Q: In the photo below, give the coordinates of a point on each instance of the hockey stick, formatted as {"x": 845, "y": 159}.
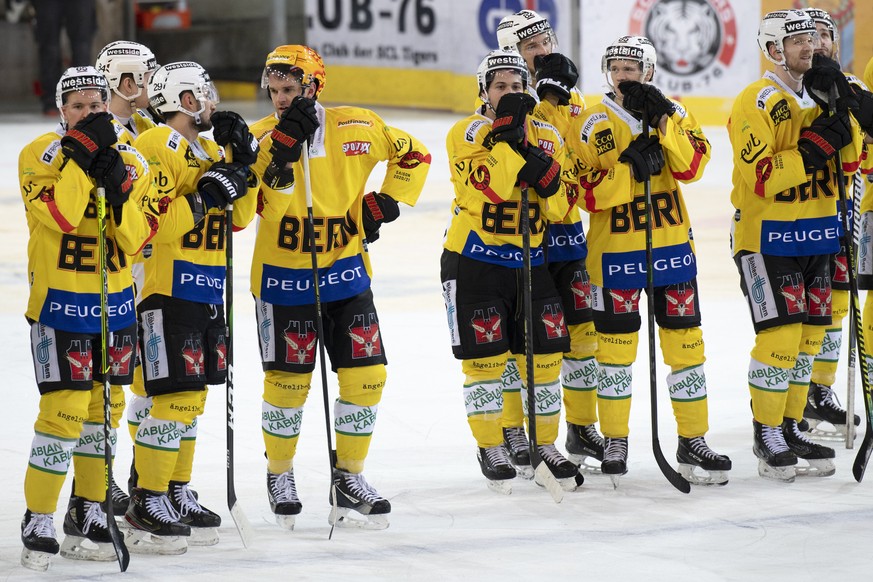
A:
{"x": 675, "y": 479}
{"x": 243, "y": 527}
{"x": 857, "y": 192}
{"x": 541, "y": 470}
{"x": 863, "y": 456}
{"x": 121, "y": 552}
{"x": 319, "y": 328}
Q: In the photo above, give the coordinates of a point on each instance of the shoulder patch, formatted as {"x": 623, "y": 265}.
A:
{"x": 585, "y": 133}
{"x": 173, "y": 141}
{"x": 351, "y": 122}
{"x": 51, "y": 152}
{"x": 473, "y": 129}
{"x": 780, "y": 112}
{"x": 763, "y": 95}
{"x": 133, "y": 151}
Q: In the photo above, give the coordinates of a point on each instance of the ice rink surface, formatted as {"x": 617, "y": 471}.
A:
{"x": 445, "y": 523}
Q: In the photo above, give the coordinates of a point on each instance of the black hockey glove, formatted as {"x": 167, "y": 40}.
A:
{"x": 278, "y": 178}
{"x": 646, "y": 100}
{"x": 864, "y": 110}
{"x": 822, "y": 77}
{"x": 511, "y": 112}
{"x": 556, "y": 74}
{"x": 377, "y": 209}
{"x": 540, "y": 171}
{"x": 108, "y": 170}
{"x": 88, "y": 137}
{"x": 645, "y": 156}
{"x": 228, "y": 128}
{"x": 223, "y": 183}
{"x": 820, "y": 141}
{"x": 297, "y": 124}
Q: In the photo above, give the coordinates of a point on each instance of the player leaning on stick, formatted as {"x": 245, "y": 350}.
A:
{"x": 344, "y": 144}
{"x": 553, "y": 79}
{"x": 784, "y": 231}
{"x": 58, "y": 173}
{"x": 635, "y": 135}
{"x": 181, "y": 315}
{"x": 490, "y": 153}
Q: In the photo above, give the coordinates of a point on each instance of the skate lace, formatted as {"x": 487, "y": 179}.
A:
{"x": 94, "y": 516}
{"x": 773, "y": 438}
{"x": 359, "y": 487}
{"x": 160, "y": 507}
{"x": 186, "y": 501}
{"x": 797, "y": 435}
{"x": 118, "y": 493}
{"x": 616, "y": 449}
{"x": 284, "y": 489}
{"x": 591, "y": 435}
{"x": 42, "y": 524}
{"x": 516, "y": 438}
{"x": 551, "y": 455}
{"x": 829, "y": 400}
{"x": 496, "y": 456}
{"x": 699, "y": 446}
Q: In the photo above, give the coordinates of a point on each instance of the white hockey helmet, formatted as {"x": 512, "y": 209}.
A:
{"x": 497, "y": 60}
{"x": 81, "y": 79}
{"x": 779, "y": 25}
{"x": 515, "y": 28}
{"x": 123, "y": 57}
{"x": 170, "y": 81}
{"x": 820, "y": 16}
{"x": 631, "y": 48}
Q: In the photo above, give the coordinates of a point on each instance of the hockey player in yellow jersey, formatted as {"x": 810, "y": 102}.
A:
{"x": 127, "y": 67}
{"x": 634, "y": 135}
{"x": 181, "y": 315}
{"x": 553, "y": 83}
{"x": 489, "y": 153}
{"x": 784, "y": 231}
{"x": 58, "y": 173}
{"x": 344, "y": 144}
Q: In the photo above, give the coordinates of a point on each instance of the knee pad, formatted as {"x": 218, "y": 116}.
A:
{"x": 812, "y": 338}
{"x": 286, "y": 389}
{"x": 839, "y": 306}
{"x": 485, "y": 369}
{"x": 62, "y": 412}
{"x": 182, "y": 407}
{"x": 116, "y": 404}
{"x": 362, "y": 386}
{"x": 778, "y": 346}
{"x": 583, "y": 340}
{"x": 547, "y": 368}
{"x": 682, "y": 348}
{"x": 619, "y": 349}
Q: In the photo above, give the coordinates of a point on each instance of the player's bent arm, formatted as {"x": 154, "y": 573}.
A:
{"x": 407, "y": 167}
{"x": 686, "y": 149}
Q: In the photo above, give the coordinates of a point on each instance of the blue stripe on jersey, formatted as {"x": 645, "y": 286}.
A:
{"x": 198, "y": 283}
{"x": 509, "y": 256}
{"x": 80, "y": 312}
{"x": 673, "y": 264}
{"x": 800, "y": 238}
{"x": 345, "y": 278}
{"x": 566, "y": 243}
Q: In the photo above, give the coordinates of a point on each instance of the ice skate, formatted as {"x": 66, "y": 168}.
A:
{"x": 284, "y": 503}
{"x": 498, "y": 470}
{"x": 39, "y": 538}
{"x": 353, "y": 493}
{"x": 699, "y": 464}
{"x": 86, "y": 533}
{"x": 564, "y": 471}
{"x": 155, "y": 526}
{"x": 203, "y": 522}
{"x": 120, "y": 502}
{"x": 614, "y": 459}
{"x": 824, "y": 415}
{"x": 819, "y": 459}
{"x": 775, "y": 460}
{"x": 518, "y": 447}
{"x": 584, "y": 446}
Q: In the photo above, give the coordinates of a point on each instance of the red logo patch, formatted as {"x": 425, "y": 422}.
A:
{"x": 553, "y": 318}
{"x": 480, "y": 178}
{"x": 300, "y": 340}
{"x": 356, "y": 148}
{"x": 486, "y": 327}
{"x": 680, "y": 301}
{"x": 581, "y": 288}
{"x": 79, "y": 357}
{"x": 413, "y": 159}
{"x": 625, "y": 300}
{"x": 192, "y": 353}
{"x": 120, "y": 355}
{"x": 547, "y": 146}
{"x": 794, "y": 293}
{"x": 820, "y": 297}
{"x": 366, "y": 340}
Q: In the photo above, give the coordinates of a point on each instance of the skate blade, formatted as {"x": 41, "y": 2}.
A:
{"x": 816, "y": 468}
{"x": 615, "y": 478}
{"x": 502, "y": 486}
{"x": 585, "y": 463}
{"x": 342, "y": 517}
{"x": 33, "y": 560}
{"x": 825, "y": 431}
{"x": 203, "y": 536}
{"x": 524, "y": 471}
{"x": 143, "y": 542}
{"x": 285, "y": 521}
{"x": 698, "y": 476}
{"x": 81, "y": 548}
{"x": 783, "y": 474}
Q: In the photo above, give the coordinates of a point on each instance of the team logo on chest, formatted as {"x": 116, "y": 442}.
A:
{"x": 680, "y": 300}
{"x": 625, "y": 300}
{"x": 356, "y": 148}
{"x": 300, "y": 339}
{"x": 553, "y": 318}
{"x": 192, "y": 353}
{"x": 820, "y": 297}
{"x": 486, "y": 326}
{"x": 120, "y": 354}
{"x": 366, "y": 340}
{"x": 791, "y": 288}
{"x": 79, "y": 357}
{"x": 581, "y": 288}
